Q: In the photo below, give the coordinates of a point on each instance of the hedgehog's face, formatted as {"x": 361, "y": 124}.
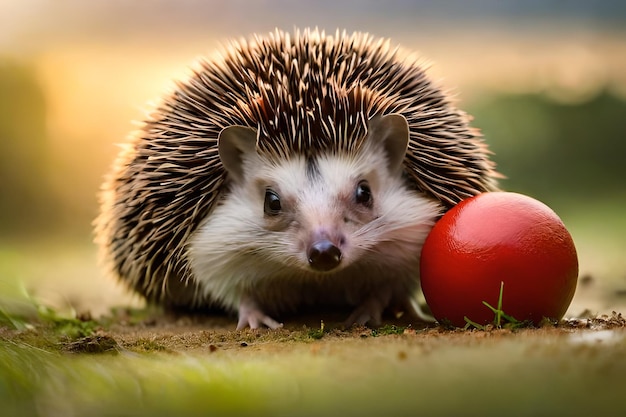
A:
{"x": 327, "y": 212}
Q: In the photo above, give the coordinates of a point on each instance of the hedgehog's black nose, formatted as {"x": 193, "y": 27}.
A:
{"x": 324, "y": 256}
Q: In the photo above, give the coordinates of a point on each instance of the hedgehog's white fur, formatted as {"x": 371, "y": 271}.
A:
{"x": 243, "y": 261}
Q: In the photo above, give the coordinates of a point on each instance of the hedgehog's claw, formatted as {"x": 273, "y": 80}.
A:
{"x": 251, "y": 315}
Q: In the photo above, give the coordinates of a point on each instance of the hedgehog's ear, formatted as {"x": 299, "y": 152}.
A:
{"x": 392, "y": 132}
{"x": 236, "y": 144}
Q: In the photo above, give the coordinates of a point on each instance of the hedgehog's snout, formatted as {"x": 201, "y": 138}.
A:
{"x": 324, "y": 255}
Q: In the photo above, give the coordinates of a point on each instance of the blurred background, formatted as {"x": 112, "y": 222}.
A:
{"x": 544, "y": 80}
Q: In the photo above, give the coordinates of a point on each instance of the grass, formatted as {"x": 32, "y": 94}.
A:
{"x": 501, "y": 319}
{"x": 317, "y": 334}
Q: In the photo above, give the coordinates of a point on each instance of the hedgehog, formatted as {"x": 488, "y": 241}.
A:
{"x": 295, "y": 170}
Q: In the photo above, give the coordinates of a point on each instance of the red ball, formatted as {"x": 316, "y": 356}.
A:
{"x": 492, "y": 238}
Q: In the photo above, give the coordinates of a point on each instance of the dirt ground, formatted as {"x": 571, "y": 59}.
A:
{"x": 125, "y": 319}
{"x": 152, "y": 330}
{"x": 164, "y": 365}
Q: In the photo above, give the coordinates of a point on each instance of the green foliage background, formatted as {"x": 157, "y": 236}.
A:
{"x": 557, "y": 151}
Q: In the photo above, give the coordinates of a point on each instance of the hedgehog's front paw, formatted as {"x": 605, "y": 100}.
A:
{"x": 370, "y": 311}
{"x": 251, "y": 315}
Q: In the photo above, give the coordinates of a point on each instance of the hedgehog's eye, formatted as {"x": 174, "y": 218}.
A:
{"x": 272, "y": 203}
{"x": 363, "y": 194}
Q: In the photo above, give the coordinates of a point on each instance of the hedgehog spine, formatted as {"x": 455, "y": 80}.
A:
{"x": 305, "y": 96}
